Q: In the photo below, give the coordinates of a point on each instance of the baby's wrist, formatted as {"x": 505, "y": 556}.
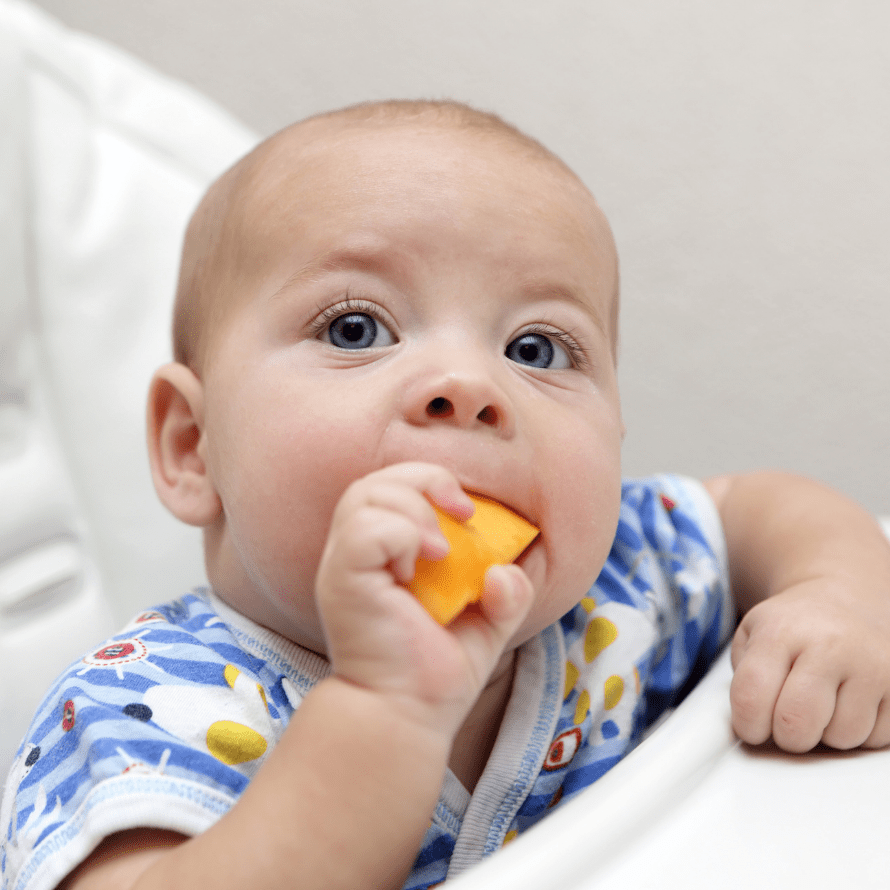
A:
{"x": 411, "y": 723}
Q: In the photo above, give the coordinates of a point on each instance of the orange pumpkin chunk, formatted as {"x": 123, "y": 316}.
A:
{"x": 493, "y": 535}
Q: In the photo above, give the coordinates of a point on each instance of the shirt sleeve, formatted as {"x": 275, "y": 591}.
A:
{"x": 670, "y": 543}
{"x": 161, "y": 726}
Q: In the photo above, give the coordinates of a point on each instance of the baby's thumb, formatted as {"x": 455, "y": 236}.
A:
{"x": 507, "y": 598}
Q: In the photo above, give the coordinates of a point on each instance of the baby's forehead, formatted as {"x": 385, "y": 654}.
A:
{"x": 290, "y": 162}
{"x": 333, "y": 166}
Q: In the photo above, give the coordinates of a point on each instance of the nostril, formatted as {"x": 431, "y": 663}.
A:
{"x": 488, "y": 416}
{"x": 440, "y": 407}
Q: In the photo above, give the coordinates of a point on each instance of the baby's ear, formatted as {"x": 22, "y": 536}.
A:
{"x": 177, "y": 446}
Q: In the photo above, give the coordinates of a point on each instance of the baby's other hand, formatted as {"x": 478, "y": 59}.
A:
{"x": 378, "y": 635}
{"x": 812, "y": 664}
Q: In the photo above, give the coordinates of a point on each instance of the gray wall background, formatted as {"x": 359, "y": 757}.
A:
{"x": 740, "y": 150}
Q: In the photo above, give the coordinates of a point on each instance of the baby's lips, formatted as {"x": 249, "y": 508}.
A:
{"x": 493, "y": 535}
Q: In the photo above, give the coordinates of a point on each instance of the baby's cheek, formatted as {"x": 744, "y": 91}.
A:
{"x": 288, "y": 556}
{"x": 582, "y": 551}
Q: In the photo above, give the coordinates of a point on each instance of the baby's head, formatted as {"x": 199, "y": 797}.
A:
{"x": 401, "y": 281}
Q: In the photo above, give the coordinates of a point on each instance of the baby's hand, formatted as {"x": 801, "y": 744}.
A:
{"x": 812, "y": 664}
{"x": 379, "y": 636}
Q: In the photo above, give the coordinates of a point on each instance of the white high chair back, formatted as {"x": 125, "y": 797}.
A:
{"x": 101, "y": 163}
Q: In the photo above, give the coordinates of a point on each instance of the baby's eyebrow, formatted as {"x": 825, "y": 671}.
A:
{"x": 364, "y": 258}
{"x": 546, "y": 290}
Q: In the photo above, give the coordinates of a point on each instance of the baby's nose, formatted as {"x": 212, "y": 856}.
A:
{"x": 468, "y": 401}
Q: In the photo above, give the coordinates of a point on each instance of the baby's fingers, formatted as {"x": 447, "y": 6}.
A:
{"x": 856, "y": 715}
{"x": 805, "y": 706}
{"x": 880, "y": 734}
{"x": 386, "y": 519}
{"x": 800, "y": 700}
{"x": 780, "y": 692}
{"x": 756, "y": 686}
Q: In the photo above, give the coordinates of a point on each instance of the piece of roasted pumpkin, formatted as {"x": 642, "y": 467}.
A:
{"x": 493, "y": 535}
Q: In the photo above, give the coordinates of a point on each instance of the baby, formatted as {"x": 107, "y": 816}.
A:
{"x": 381, "y": 310}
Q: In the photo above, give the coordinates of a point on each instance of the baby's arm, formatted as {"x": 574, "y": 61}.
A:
{"x": 342, "y": 801}
{"x": 346, "y": 796}
{"x": 811, "y": 573}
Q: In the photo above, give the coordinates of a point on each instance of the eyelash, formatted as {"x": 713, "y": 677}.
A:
{"x": 329, "y": 314}
{"x": 348, "y": 306}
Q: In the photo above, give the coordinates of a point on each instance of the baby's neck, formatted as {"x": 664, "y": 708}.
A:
{"x": 475, "y": 739}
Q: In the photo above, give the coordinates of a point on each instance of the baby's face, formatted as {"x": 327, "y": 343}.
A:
{"x": 421, "y": 295}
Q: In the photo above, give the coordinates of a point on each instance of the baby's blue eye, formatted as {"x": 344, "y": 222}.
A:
{"x": 357, "y": 330}
{"x": 538, "y": 351}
